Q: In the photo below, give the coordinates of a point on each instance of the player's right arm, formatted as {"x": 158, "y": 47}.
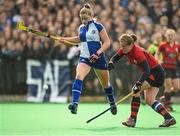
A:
{"x": 74, "y": 39}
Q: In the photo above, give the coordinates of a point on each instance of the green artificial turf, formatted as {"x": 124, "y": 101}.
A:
{"x": 55, "y": 119}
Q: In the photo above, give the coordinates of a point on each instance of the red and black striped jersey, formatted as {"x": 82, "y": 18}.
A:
{"x": 137, "y": 55}
{"x": 170, "y": 55}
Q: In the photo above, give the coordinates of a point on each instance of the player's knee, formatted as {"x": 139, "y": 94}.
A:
{"x": 149, "y": 101}
{"x": 105, "y": 84}
{"x": 79, "y": 76}
{"x": 168, "y": 88}
{"x": 168, "y": 85}
{"x": 176, "y": 87}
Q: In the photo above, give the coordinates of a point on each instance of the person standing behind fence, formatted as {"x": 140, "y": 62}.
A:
{"x": 94, "y": 41}
{"x": 156, "y": 41}
{"x": 170, "y": 52}
{"x": 151, "y": 79}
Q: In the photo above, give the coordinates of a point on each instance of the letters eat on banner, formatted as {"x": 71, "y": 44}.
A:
{"x": 54, "y": 75}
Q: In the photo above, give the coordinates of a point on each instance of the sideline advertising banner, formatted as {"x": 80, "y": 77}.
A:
{"x": 48, "y": 81}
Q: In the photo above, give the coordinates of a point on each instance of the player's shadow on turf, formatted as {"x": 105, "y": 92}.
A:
{"x": 118, "y": 128}
{"x": 154, "y": 128}
{"x": 97, "y": 129}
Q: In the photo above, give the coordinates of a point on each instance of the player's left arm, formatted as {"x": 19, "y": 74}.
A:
{"x": 105, "y": 41}
{"x": 145, "y": 66}
{"x": 143, "y": 63}
{"x": 105, "y": 45}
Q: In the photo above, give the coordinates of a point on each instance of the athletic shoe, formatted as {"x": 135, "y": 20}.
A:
{"x": 113, "y": 108}
{"x": 73, "y": 108}
{"x": 130, "y": 122}
{"x": 168, "y": 122}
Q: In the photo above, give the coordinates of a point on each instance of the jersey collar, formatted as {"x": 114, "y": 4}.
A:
{"x": 90, "y": 21}
{"x": 132, "y": 49}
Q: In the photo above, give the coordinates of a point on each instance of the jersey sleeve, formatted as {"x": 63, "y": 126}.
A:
{"x": 117, "y": 56}
{"x": 99, "y": 26}
{"x": 120, "y": 52}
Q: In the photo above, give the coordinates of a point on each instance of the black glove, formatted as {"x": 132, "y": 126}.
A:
{"x": 93, "y": 58}
{"x": 111, "y": 66}
{"x": 137, "y": 87}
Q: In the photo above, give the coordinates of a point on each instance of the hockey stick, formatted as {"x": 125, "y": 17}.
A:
{"x": 21, "y": 26}
{"x": 121, "y": 100}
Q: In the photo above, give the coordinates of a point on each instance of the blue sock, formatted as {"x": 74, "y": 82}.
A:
{"x": 110, "y": 94}
{"x": 76, "y": 90}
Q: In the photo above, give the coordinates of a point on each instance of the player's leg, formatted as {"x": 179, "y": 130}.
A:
{"x": 81, "y": 71}
{"x": 174, "y": 90}
{"x": 103, "y": 76}
{"x": 150, "y": 96}
{"x": 170, "y": 84}
{"x": 135, "y": 105}
{"x": 176, "y": 85}
{"x": 167, "y": 93}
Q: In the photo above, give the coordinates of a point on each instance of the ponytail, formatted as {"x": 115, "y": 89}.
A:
{"x": 87, "y": 6}
{"x": 134, "y": 37}
{"x": 128, "y": 39}
{"x": 87, "y": 9}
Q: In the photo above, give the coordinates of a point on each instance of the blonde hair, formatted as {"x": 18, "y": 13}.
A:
{"x": 128, "y": 39}
{"x": 171, "y": 31}
{"x": 87, "y": 10}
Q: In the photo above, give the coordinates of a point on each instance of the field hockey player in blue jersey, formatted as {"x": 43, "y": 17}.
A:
{"x": 93, "y": 41}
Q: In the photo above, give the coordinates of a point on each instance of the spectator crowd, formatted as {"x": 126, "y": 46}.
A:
{"x": 145, "y": 18}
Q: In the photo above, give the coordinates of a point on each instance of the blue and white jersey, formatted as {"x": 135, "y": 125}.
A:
{"x": 90, "y": 44}
{"x": 90, "y": 38}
